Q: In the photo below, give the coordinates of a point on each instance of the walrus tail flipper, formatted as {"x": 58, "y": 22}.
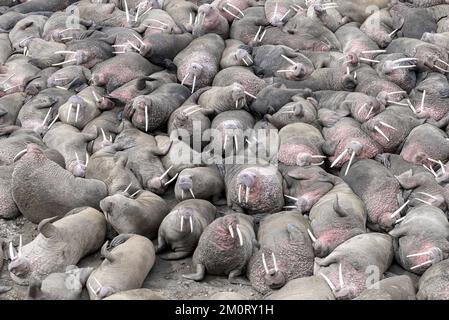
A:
{"x": 174, "y": 255}
{"x": 199, "y": 275}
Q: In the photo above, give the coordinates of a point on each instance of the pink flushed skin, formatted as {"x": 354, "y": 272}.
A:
{"x": 298, "y": 143}
{"x": 399, "y": 117}
{"x": 336, "y": 217}
{"x": 283, "y": 239}
{"x": 278, "y": 12}
{"x": 22, "y": 71}
{"x": 210, "y": 21}
{"x": 344, "y": 134}
{"x": 378, "y": 189}
{"x": 356, "y": 256}
{"x": 424, "y": 142}
{"x": 371, "y": 84}
{"x": 404, "y": 78}
{"x": 434, "y": 283}
{"x": 432, "y": 242}
{"x": 241, "y": 4}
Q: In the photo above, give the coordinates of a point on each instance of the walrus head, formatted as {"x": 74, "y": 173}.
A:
{"x": 19, "y": 267}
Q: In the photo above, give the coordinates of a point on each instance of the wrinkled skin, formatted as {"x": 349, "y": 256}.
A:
{"x": 431, "y": 244}
{"x": 210, "y": 21}
{"x": 141, "y": 215}
{"x": 380, "y": 27}
{"x": 182, "y": 11}
{"x": 125, "y": 266}
{"x": 107, "y": 125}
{"x": 336, "y": 217}
{"x": 354, "y": 258}
{"x": 17, "y": 73}
{"x": 236, "y": 53}
{"x": 136, "y": 294}
{"x": 203, "y": 182}
{"x": 300, "y": 110}
{"x": 182, "y": 228}
{"x": 394, "y": 288}
{"x": 10, "y": 106}
{"x": 42, "y": 189}
{"x": 220, "y": 252}
{"x": 433, "y": 283}
{"x": 361, "y": 10}
{"x": 246, "y": 28}
{"x": 306, "y": 288}
{"x": 398, "y": 69}
{"x": 75, "y": 77}
{"x": 16, "y": 142}
{"x": 58, "y": 245}
{"x": 220, "y": 99}
{"x": 378, "y": 189}
{"x": 286, "y": 249}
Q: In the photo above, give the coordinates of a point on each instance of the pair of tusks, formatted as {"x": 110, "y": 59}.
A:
{"x": 265, "y": 266}
{"x": 427, "y": 195}
{"x": 95, "y": 292}
{"x": 383, "y": 133}
{"x": 165, "y": 174}
{"x": 247, "y": 192}
{"x": 341, "y": 157}
{"x": 78, "y": 159}
{"x": 369, "y": 112}
{"x": 69, "y": 112}
{"x": 430, "y": 169}
{"x": 439, "y": 162}
{"x": 421, "y": 254}
{"x": 239, "y": 233}
{"x": 104, "y": 136}
{"x": 234, "y": 7}
{"x": 19, "y": 251}
{"x": 194, "y": 81}
{"x": 398, "y": 211}
{"x": 138, "y": 10}
{"x": 191, "y": 223}
{"x": 191, "y": 192}
{"x": 250, "y": 61}
{"x": 340, "y": 279}
{"x": 225, "y": 143}
{"x": 261, "y": 36}
{"x": 329, "y": 5}
{"x": 191, "y": 110}
{"x": 439, "y": 68}
{"x": 293, "y": 63}
{"x": 199, "y": 19}
{"x": 348, "y": 72}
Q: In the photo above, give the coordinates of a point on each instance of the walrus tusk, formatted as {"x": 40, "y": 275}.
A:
{"x": 240, "y": 193}
{"x": 381, "y": 132}
{"x": 340, "y": 277}
{"x": 53, "y": 122}
{"x": 350, "y": 162}
{"x": 236, "y": 144}
{"x": 77, "y": 113}
{"x": 126, "y": 11}
{"x": 285, "y": 15}
{"x": 69, "y": 112}
{"x": 239, "y": 234}
{"x": 419, "y": 254}
{"x": 19, "y": 155}
{"x": 104, "y": 134}
{"x": 423, "y": 201}
{"x": 387, "y": 125}
{"x": 274, "y": 262}
{"x": 374, "y": 51}
{"x": 138, "y": 39}
{"x": 87, "y": 159}
{"x": 194, "y": 82}
{"x": 182, "y": 223}
{"x": 422, "y": 100}
{"x": 64, "y": 52}
{"x": 135, "y": 194}
{"x": 95, "y": 96}
{"x": 191, "y": 224}
{"x": 165, "y": 173}
{"x": 147, "y": 11}
{"x": 337, "y": 160}
{"x": 146, "y": 118}
{"x": 11, "y": 252}
{"x": 421, "y": 264}
{"x": 134, "y": 46}
{"x": 290, "y": 197}
{"x": 312, "y": 237}
{"x": 172, "y": 179}
{"x": 182, "y": 194}
{"x": 185, "y": 78}
{"x": 191, "y": 192}
{"x": 328, "y": 281}
{"x": 429, "y": 195}
{"x": 369, "y": 112}
{"x": 231, "y": 231}
{"x": 77, "y": 158}
{"x": 236, "y": 8}
{"x": 235, "y": 16}
{"x": 263, "y": 35}
{"x": 369, "y": 60}
{"x": 394, "y": 214}
{"x": 46, "y": 117}
{"x": 257, "y": 34}
{"x": 265, "y": 263}
{"x": 247, "y": 194}
{"x": 250, "y": 95}
{"x": 127, "y": 188}
{"x": 64, "y": 62}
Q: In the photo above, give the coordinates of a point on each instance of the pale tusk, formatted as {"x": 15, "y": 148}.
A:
{"x": 340, "y": 276}
{"x": 350, "y": 162}
{"x": 165, "y": 173}
{"x": 46, "y": 117}
{"x": 274, "y": 262}
{"x": 191, "y": 224}
{"x": 328, "y": 281}
{"x": 421, "y": 264}
{"x": 312, "y": 237}
{"x": 290, "y": 197}
{"x": 172, "y": 179}
{"x": 239, "y": 234}
{"x": 381, "y": 132}
{"x": 339, "y": 158}
{"x": 191, "y": 192}
{"x": 265, "y": 263}
{"x": 231, "y": 232}
{"x": 398, "y": 211}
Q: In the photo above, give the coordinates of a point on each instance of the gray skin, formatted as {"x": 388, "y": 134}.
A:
{"x": 356, "y": 104}
{"x": 183, "y": 12}
{"x": 434, "y": 283}
{"x": 29, "y": 26}
{"x": 246, "y": 28}
{"x": 355, "y": 258}
{"x": 8, "y": 208}
{"x": 9, "y": 19}
{"x": 179, "y": 157}
{"x": 300, "y": 144}
{"x": 151, "y": 112}
{"x": 378, "y": 189}
{"x": 42, "y": 52}
{"x": 59, "y": 244}
{"x": 400, "y": 118}
{"x": 182, "y": 228}
{"x": 204, "y": 182}
{"x": 140, "y": 215}
{"x": 33, "y": 114}
{"x": 222, "y": 252}
{"x": 116, "y": 71}
{"x": 286, "y": 250}
{"x": 141, "y": 86}
{"x": 195, "y": 62}
{"x": 17, "y": 73}
{"x": 268, "y": 60}
{"x": 125, "y": 266}
{"x": 346, "y": 136}
{"x": 398, "y": 69}
{"x": 397, "y": 165}
{"x": 40, "y": 83}
{"x": 107, "y": 122}
{"x": 42, "y": 5}
{"x": 308, "y": 184}
{"x": 143, "y": 154}
{"x": 424, "y": 142}
{"x": 10, "y": 106}
{"x": 277, "y": 12}
{"x": 228, "y": 296}
{"x": 16, "y": 142}
{"x": 335, "y": 218}
{"x": 105, "y": 166}
{"x": 427, "y": 54}
{"x": 66, "y": 285}
{"x": 136, "y": 294}
{"x": 42, "y": 189}
{"x": 394, "y": 288}
{"x": 236, "y": 53}
{"x": 379, "y": 27}
{"x": 328, "y": 16}
{"x": 306, "y": 288}
{"x": 72, "y": 144}
{"x": 55, "y": 28}
{"x": 439, "y": 39}
{"x": 210, "y": 20}
{"x": 220, "y": 99}
{"x": 5, "y": 48}
{"x": 168, "y": 24}
{"x": 71, "y": 77}
{"x": 361, "y": 10}
{"x": 273, "y": 97}
{"x": 84, "y": 107}
{"x": 430, "y": 243}
{"x": 435, "y": 107}
{"x": 300, "y": 110}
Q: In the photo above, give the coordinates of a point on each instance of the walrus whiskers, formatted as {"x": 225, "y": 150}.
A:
{"x": 312, "y": 237}
{"x": 398, "y": 211}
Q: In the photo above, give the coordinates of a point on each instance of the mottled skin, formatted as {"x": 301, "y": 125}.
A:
{"x": 379, "y": 27}
{"x": 424, "y": 142}
{"x": 55, "y": 29}
{"x": 433, "y": 284}
{"x": 200, "y": 60}
{"x": 177, "y": 234}
{"x": 277, "y": 12}
{"x": 356, "y": 257}
{"x": 411, "y": 238}
{"x": 125, "y": 267}
{"x": 371, "y": 84}
{"x": 182, "y": 11}
{"x": 360, "y": 10}
{"x": 282, "y": 238}
{"x": 29, "y": 26}
{"x": 205, "y": 182}
{"x": 268, "y": 61}
{"x": 220, "y": 252}
{"x": 300, "y": 110}
{"x": 246, "y": 28}
{"x": 356, "y": 104}
{"x": 400, "y": 73}
{"x": 236, "y": 53}
{"x": 306, "y": 288}
{"x": 71, "y": 77}
{"x": 141, "y": 215}
{"x": 136, "y": 294}
{"x": 394, "y": 288}
{"x": 220, "y": 99}
{"x": 8, "y": 208}
{"x": 401, "y": 118}
{"x": 108, "y": 122}
{"x": 16, "y": 74}
{"x": 10, "y": 106}
{"x": 115, "y": 72}
{"x": 336, "y": 217}
{"x": 5, "y": 48}
{"x": 347, "y": 134}
{"x": 42, "y": 52}
{"x": 15, "y": 143}
{"x": 378, "y": 189}
{"x": 156, "y": 108}
{"x": 59, "y": 244}
{"x": 105, "y": 166}
{"x": 40, "y": 82}
{"x": 66, "y": 285}
{"x": 210, "y": 21}
{"x": 42, "y": 189}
